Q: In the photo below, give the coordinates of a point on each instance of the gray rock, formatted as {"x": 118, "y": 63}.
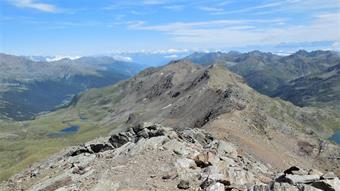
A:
{"x": 283, "y": 187}
{"x": 34, "y": 173}
{"x": 78, "y": 150}
{"x": 81, "y": 161}
{"x": 124, "y": 149}
{"x": 205, "y": 159}
{"x": 196, "y": 136}
{"x": 307, "y": 187}
{"x": 328, "y": 175}
{"x": 185, "y": 163}
{"x": 181, "y": 148}
{"x": 322, "y": 185}
{"x": 215, "y": 174}
{"x": 216, "y": 187}
{"x": 143, "y": 133}
{"x": 78, "y": 170}
{"x": 328, "y": 184}
{"x": 227, "y": 149}
{"x": 101, "y": 147}
{"x": 170, "y": 175}
{"x": 259, "y": 188}
{"x": 315, "y": 172}
{"x": 239, "y": 176}
{"x": 153, "y": 143}
{"x": 301, "y": 179}
{"x": 120, "y": 139}
{"x": 183, "y": 184}
{"x": 206, "y": 183}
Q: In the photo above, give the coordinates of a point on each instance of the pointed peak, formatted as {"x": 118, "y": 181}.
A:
{"x": 301, "y": 52}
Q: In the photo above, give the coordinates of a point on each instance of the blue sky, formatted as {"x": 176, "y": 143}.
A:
{"x": 89, "y": 27}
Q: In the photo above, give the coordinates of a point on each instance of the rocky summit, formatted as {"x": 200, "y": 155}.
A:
{"x": 149, "y": 156}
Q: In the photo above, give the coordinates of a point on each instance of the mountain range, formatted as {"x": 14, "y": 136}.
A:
{"x": 318, "y": 89}
{"x": 147, "y": 58}
{"x": 30, "y": 87}
{"x": 180, "y": 95}
{"x": 217, "y": 92}
{"x": 270, "y": 74}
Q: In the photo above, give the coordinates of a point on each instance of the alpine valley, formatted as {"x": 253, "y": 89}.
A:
{"x": 210, "y": 121}
{"x": 31, "y": 87}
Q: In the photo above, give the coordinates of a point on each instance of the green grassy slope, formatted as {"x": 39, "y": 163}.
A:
{"x": 23, "y": 143}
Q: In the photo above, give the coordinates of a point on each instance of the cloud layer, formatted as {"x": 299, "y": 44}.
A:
{"x": 324, "y": 27}
{"x": 90, "y": 27}
{"x": 35, "y": 5}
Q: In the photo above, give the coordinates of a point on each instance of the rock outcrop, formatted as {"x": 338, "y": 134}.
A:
{"x": 153, "y": 157}
{"x": 298, "y": 179}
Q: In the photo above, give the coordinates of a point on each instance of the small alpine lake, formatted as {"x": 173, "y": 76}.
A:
{"x": 73, "y": 129}
{"x": 335, "y": 137}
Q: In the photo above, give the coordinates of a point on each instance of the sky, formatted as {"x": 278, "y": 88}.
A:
{"x": 90, "y": 27}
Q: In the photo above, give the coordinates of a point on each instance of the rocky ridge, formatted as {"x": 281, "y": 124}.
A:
{"x": 150, "y": 156}
{"x": 182, "y": 94}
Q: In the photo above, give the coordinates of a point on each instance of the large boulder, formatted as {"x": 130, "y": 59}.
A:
{"x": 301, "y": 179}
{"x": 295, "y": 178}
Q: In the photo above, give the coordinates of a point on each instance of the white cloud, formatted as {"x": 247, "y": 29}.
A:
{"x": 223, "y": 3}
{"x": 289, "y": 5}
{"x": 122, "y": 58}
{"x": 336, "y": 46}
{"x": 174, "y": 7}
{"x": 60, "y": 57}
{"x": 173, "y": 56}
{"x": 35, "y": 5}
{"x": 211, "y": 9}
{"x": 212, "y": 24}
{"x": 217, "y": 33}
{"x": 153, "y": 2}
{"x": 169, "y": 51}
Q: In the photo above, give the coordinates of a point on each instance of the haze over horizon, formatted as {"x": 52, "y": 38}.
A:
{"x": 45, "y": 27}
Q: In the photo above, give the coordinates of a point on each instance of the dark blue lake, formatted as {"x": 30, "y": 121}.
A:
{"x": 66, "y": 131}
{"x": 71, "y": 129}
{"x": 335, "y": 137}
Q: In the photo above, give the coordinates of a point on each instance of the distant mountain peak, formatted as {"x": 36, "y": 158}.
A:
{"x": 301, "y": 52}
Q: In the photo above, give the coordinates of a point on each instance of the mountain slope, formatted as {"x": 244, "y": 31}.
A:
{"x": 28, "y": 87}
{"x": 321, "y": 89}
{"x": 227, "y": 59}
{"x": 181, "y": 85}
{"x": 185, "y": 95}
{"x": 266, "y": 72}
{"x": 181, "y": 95}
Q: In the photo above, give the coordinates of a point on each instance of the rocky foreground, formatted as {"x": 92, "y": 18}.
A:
{"x": 153, "y": 157}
